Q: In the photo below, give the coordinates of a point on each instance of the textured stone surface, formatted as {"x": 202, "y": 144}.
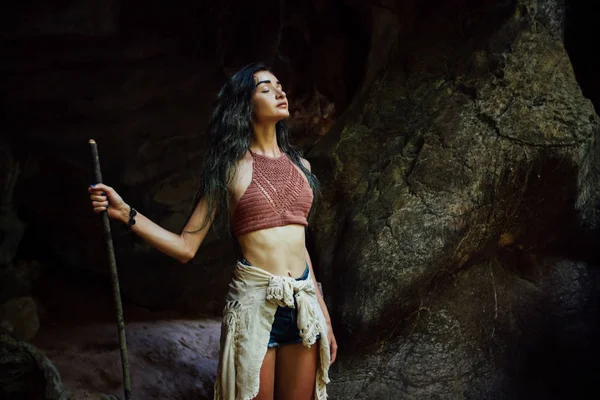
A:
{"x": 171, "y": 356}
{"x": 169, "y": 359}
{"x": 448, "y": 222}
{"x": 26, "y": 373}
{"x": 460, "y": 165}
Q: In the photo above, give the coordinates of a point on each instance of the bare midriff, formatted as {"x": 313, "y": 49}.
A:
{"x": 280, "y": 250}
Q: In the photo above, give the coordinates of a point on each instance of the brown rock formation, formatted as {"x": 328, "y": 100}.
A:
{"x": 460, "y": 164}
{"x": 455, "y": 215}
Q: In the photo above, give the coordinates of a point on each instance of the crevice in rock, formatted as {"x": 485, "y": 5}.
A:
{"x": 581, "y": 43}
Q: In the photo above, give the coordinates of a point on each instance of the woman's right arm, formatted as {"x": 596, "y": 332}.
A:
{"x": 182, "y": 247}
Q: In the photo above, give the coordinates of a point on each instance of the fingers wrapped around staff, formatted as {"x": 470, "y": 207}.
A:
{"x": 99, "y": 198}
{"x": 99, "y": 203}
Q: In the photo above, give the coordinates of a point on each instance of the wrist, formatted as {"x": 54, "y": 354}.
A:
{"x": 124, "y": 213}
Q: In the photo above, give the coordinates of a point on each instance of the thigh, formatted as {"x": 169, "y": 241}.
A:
{"x": 267, "y": 374}
{"x": 295, "y": 371}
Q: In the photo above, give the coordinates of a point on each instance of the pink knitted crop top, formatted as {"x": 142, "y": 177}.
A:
{"x": 278, "y": 195}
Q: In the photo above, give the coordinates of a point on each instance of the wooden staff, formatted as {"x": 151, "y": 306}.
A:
{"x": 114, "y": 277}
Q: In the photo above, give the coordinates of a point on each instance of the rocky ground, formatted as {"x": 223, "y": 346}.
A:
{"x": 171, "y": 356}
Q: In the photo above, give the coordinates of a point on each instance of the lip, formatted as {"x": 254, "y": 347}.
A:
{"x": 283, "y": 104}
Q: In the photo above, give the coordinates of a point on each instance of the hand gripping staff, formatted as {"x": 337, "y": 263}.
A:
{"x": 114, "y": 277}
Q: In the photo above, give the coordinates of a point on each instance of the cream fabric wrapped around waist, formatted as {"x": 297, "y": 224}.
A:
{"x": 252, "y": 300}
{"x": 282, "y": 291}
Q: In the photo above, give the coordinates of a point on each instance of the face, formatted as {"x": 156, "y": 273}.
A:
{"x": 269, "y": 102}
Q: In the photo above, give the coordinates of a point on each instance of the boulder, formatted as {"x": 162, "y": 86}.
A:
{"x": 455, "y": 226}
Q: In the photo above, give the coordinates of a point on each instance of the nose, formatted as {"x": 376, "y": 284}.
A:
{"x": 280, "y": 94}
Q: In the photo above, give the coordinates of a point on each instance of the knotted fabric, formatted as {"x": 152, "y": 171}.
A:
{"x": 252, "y": 300}
{"x": 283, "y": 290}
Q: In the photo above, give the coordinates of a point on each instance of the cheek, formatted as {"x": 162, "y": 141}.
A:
{"x": 259, "y": 106}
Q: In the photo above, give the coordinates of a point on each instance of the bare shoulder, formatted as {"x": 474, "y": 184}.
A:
{"x": 245, "y": 164}
{"x": 243, "y": 168}
{"x": 242, "y": 177}
{"x": 305, "y": 163}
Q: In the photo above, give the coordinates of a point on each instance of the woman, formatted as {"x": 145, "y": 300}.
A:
{"x": 276, "y": 337}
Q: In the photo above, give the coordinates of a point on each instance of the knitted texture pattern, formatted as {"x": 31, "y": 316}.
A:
{"x": 278, "y": 195}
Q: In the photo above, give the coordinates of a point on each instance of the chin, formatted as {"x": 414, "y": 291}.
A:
{"x": 283, "y": 115}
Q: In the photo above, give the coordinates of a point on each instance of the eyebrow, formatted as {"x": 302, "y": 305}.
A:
{"x": 267, "y": 81}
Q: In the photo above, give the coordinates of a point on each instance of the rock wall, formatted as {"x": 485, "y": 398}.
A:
{"x": 459, "y": 159}
{"x": 455, "y": 224}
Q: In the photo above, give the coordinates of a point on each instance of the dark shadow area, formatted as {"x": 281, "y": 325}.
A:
{"x": 140, "y": 79}
{"x": 581, "y": 42}
{"x": 555, "y": 355}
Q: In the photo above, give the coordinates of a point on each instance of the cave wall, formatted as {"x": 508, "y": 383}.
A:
{"x": 140, "y": 80}
{"x": 459, "y": 210}
{"x": 455, "y": 141}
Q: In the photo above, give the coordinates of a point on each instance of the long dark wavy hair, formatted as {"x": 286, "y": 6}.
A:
{"x": 229, "y": 135}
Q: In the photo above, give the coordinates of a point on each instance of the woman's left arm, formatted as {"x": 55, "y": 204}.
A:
{"x": 333, "y": 347}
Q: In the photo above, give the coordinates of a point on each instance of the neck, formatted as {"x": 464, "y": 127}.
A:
{"x": 264, "y": 140}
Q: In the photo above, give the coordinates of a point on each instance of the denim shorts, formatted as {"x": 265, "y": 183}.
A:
{"x": 285, "y": 325}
